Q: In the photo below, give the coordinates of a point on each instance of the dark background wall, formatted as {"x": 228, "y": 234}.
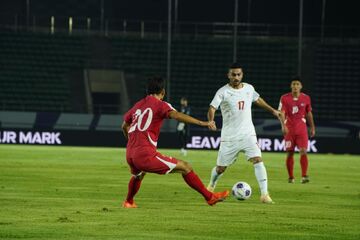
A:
{"x": 338, "y": 12}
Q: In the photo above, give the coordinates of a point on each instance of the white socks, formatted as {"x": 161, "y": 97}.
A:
{"x": 214, "y": 177}
{"x": 261, "y": 176}
{"x": 260, "y": 173}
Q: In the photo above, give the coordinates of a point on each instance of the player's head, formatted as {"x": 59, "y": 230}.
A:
{"x": 235, "y": 74}
{"x": 295, "y": 84}
{"x": 156, "y": 86}
{"x": 184, "y": 101}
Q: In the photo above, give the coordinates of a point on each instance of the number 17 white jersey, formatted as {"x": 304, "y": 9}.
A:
{"x": 235, "y": 105}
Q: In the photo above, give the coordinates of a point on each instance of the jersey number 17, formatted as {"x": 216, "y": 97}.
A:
{"x": 241, "y": 105}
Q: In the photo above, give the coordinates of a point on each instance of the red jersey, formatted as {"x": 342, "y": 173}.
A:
{"x": 295, "y": 110}
{"x": 145, "y": 119}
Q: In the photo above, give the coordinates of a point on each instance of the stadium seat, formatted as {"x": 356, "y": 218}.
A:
{"x": 110, "y": 122}
{"x": 21, "y": 120}
{"x": 74, "y": 121}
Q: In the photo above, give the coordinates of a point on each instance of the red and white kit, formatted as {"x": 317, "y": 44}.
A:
{"x": 295, "y": 111}
{"x": 145, "y": 120}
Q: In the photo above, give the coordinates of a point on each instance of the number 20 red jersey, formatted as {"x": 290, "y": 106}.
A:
{"x": 145, "y": 119}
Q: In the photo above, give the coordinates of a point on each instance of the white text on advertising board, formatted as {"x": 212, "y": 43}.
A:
{"x": 266, "y": 144}
{"x": 50, "y": 138}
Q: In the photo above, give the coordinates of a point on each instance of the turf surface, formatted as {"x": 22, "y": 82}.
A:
{"x": 76, "y": 193}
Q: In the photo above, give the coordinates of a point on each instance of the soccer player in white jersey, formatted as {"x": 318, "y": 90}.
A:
{"x": 238, "y": 132}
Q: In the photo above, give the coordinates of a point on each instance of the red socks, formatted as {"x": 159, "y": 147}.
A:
{"x": 191, "y": 179}
{"x": 290, "y": 166}
{"x": 133, "y": 188}
{"x": 194, "y": 182}
{"x": 304, "y": 164}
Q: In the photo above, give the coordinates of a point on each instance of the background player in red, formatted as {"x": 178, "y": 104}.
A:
{"x": 141, "y": 127}
{"x": 296, "y": 107}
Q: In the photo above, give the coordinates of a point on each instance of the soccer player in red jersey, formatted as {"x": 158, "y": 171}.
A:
{"x": 141, "y": 128}
{"x": 296, "y": 107}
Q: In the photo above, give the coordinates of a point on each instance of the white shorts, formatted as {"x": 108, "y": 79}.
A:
{"x": 229, "y": 151}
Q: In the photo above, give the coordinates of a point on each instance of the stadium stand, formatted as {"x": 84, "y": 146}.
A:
{"x": 23, "y": 120}
{"x": 336, "y": 82}
{"x": 37, "y": 70}
{"x": 75, "y": 121}
{"x": 109, "y": 122}
{"x": 34, "y": 68}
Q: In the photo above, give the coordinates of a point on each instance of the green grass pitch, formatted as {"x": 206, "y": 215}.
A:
{"x": 76, "y": 193}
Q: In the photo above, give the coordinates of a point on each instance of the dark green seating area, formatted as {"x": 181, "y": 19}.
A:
{"x": 337, "y": 82}
{"x": 34, "y": 69}
{"x": 143, "y": 56}
{"x": 139, "y": 59}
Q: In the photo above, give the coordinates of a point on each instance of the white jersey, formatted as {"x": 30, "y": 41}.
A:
{"x": 235, "y": 105}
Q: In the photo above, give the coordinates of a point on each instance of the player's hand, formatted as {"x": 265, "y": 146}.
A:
{"x": 208, "y": 124}
{"x": 281, "y": 116}
{"x": 212, "y": 125}
{"x": 312, "y": 132}
{"x": 277, "y": 113}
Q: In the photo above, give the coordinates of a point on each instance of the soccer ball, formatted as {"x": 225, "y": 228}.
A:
{"x": 241, "y": 191}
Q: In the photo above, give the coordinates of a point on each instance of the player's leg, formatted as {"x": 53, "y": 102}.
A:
{"x": 302, "y": 143}
{"x": 304, "y": 165}
{"x": 192, "y": 179}
{"x": 185, "y": 139}
{"x": 290, "y": 147}
{"x": 216, "y": 173}
{"x": 172, "y": 165}
{"x": 253, "y": 154}
{"x": 134, "y": 184}
{"x": 183, "y": 142}
{"x": 227, "y": 155}
{"x": 290, "y": 166}
{"x": 260, "y": 174}
{"x": 262, "y": 179}
{"x": 133, "y": 188}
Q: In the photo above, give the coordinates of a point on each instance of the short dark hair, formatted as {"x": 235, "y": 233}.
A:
{"x": 296, "y": 78}
{"x": 155, "y": 85}
{"x": 235, "y": 65}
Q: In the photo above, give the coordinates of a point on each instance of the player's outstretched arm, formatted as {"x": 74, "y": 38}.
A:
{"x": 125, "y": 128}
{"x": 278, "y": 114}
{"x": 261, "y": 103}
{"x": 188, "y": 119}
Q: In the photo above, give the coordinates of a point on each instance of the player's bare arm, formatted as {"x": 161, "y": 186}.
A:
{"x": 211, "y": 117}
{"x": 261, "y": 103}
{"x": 125, "y": 128}
{"x": 284, "y": 128}
{"x": 188, "y": 119}
{"x": 278, "y": 114}
{"x": 310, "y": 119}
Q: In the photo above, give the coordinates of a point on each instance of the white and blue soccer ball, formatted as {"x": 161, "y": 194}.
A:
{"x": 241, "y": 191}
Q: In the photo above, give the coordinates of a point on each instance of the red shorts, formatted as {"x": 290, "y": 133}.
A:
{"x": 153, "y": 162}
{"x": 299, "y": 140}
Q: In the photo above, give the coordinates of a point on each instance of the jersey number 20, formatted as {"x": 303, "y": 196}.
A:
{"x": 138, "y": 118}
